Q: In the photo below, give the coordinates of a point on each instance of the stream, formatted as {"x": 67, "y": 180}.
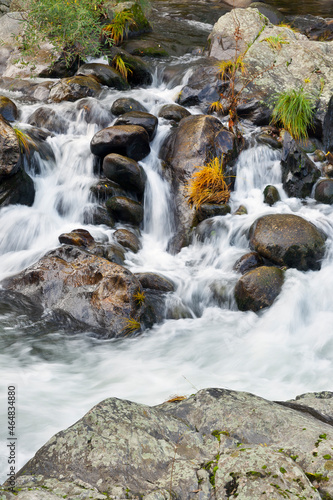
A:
{"x": 281, "y": 352}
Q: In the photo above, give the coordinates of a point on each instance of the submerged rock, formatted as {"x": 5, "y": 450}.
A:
{"x": 80, "y": 288}
{"x": 288, "y": 240}
{"x": 248, "y": 262}
{"x": 324, "y": 191}
{"x": 229, "y": 442}
{"x": 258, "y": 288}
{"x": 125, "y": 105}
{"x": 45, "y": 117}
{"x": 271, "y": 195}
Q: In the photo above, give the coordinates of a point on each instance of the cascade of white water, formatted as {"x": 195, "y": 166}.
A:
{"x": 278, "y": 353}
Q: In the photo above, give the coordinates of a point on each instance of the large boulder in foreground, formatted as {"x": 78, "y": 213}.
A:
{"x": 80, "y": 288}
{"x": 258, "y": 288}
{"x": 288, "y": 240}
{"x": 217, "y": 443}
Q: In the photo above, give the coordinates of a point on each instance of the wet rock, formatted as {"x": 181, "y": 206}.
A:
{"x": 271, "y": 195}
{"x": 104, "y": 74}
{"x": 299, "y": 173}
{"x": 105, "y": 188}
{"x": 78, "y": 238}
{"x": 241, "y": 210}
{"x": 288, "y": 240}
{"x": 45, "y": 117}
{"x": 248, "y": 262}
{"x": 36, "y": 138}
{"x": 10, "y": 156}
{"x": 155, "y": 281}
{"x": 273, "y": 14}
{"x": 124, "y": 209}
{"x": 127, "y": 173}
{"x": 258, "y": 288}
{"x": 266, "y": 138}
{"x": 125, "y": 140}
{"x": 324, "y": 191}
{"x": 93, "y": 112}
{"x": 146, "y": 120}
{"x": 8, "y": 109}
{"x": 328, "y": 126}
{"x": 125, "y": 105}
{"x": 254, "y": 110}
{"x": 319, "y": 156}
{"x": 173, "y": 112}
{"x": 128, "y": 240}
{"x": 97, "y": 215}
{"x": 208, "y": 229}
{"x": 212, "y": 423}
{"x": 328, "y": 170}
{"x": 188, "y": 147}
{"x": 17, "y": 189}
{"x": 313, "y": 27}
{"x": 208, "y": 210}
{"x": 203, "y": 88}
{"x": 79, "y": 287}
{"x": 140, "y": 74}
{"x": 112, "y": 252}
{"x": 140, "y": 25}
{"x": 145, "y": 48}
{"x": 75, "y": 88}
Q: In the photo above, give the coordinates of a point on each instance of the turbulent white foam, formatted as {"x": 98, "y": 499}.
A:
{"x": 281, "y": 352}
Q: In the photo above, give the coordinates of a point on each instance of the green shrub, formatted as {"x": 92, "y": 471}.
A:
{"x": 73, "y": 27}
{"x": 294, "y": 109}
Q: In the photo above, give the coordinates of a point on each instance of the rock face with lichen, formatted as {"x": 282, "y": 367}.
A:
{"x": 215, "y": 444}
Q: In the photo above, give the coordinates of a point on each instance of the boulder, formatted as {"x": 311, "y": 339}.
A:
{"x": 248, "y": 262}
{"x": 288, "y": 240}
{"x": 173, "y": 112}
{"x": 126, "y": 140}
{"x": 124, "y": 209}
{"x": 97, "y": 215}
{"x": 269, "y": 11}
{"x": 105, "y": 188}
{"x": 17, "y": 189}
{"x": 128, "y": 240}
{"x": 140, "y": 74}
{"x": 139, "y": 26}
{"x": 75, "y": 88}
{"x": 324, "y": 191}
{"x": 258, "y": 288}
{"x": 10, "y": 154}
{"x": 215, "y": 443}
{"x": 146, "y": 120}
{"x": 127, "y": 173}
{"x": 83, "y": 289}
{"x": 268, "y": 70}
{"x": 105, "y": 74}
{"x": 299, "y": 172}
{"x": 45, "y": 117}
{"x": 78, "y": 238}
{"x": 271, "y": 195}
{"x": 190, "y": 146}
{"x": 8, "y": 109}
{"x": 145, "y": 48}
{"x": 208, "y": 210}
{"x": 255, "y": 110}
{"x": 153, "y": 281}
{"x": 125, "y": 105}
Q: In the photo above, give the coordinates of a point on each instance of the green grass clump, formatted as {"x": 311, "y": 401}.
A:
{"x": 295, "y": 110}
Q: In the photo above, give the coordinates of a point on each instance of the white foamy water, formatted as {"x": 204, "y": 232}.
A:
{"x": 283, "y": 351}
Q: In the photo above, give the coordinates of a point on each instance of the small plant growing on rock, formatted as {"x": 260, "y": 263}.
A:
{"x": 120, "y": 65}
{"x": 294, "y": 109}
{"x": 276, "y": 42}
{"x": 208, "y": 185}
{"x": 119, "y": 26}
{"x": 131, "y": 326}
{"x": 139, "y": 297}
{"x": 25, "y": 142}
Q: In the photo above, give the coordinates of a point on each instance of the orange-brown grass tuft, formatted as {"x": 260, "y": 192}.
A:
{"x": 208, "y": 185}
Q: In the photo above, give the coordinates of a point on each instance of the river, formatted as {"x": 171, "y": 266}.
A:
{"x": 283, "y": 351}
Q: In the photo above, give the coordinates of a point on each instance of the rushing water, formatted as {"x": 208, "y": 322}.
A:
{"x": 278, "y": 353}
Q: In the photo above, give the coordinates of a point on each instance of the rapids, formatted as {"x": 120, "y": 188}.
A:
{"x": 278, "y": 353}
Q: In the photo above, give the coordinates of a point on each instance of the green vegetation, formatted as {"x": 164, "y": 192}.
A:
{"x": 276, "y": 42}
{"x": 131, "y": 326}
{"x": 25, "y": 142}
{"x": 120, "y": 65}
{"x": 294, "y": 109}
{"x": 119, "y": 26}
{"x": 208, "y": 185}
{"x": 73, "y": 27}
{"x": 139, "y": 297}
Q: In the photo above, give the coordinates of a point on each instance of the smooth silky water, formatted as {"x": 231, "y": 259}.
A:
{"x": 281, "y": 352}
